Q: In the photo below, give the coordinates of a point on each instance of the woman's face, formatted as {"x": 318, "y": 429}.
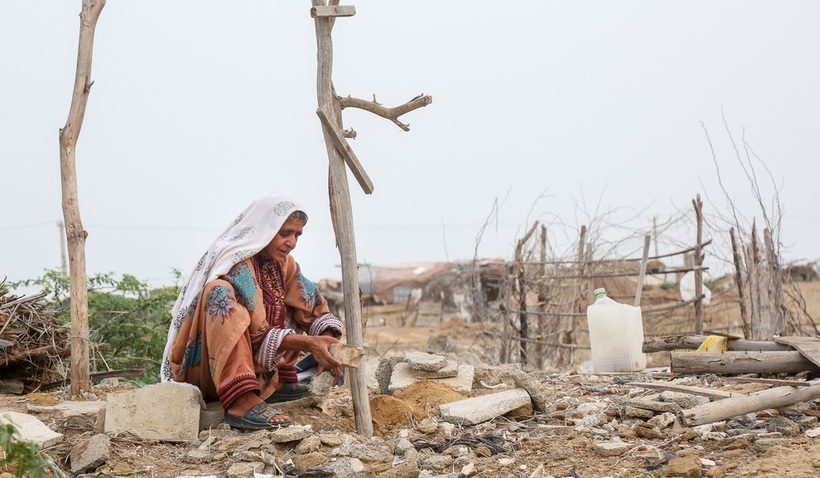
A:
{"x": 284, "y": 241}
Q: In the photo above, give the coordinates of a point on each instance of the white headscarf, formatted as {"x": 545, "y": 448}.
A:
{"x": 249, "y": 233}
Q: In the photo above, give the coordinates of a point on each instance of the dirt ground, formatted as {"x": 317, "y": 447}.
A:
{"x": 550, "y": 440}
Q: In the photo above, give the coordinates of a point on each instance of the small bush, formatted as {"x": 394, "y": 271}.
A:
{"x": 24, "y": 455}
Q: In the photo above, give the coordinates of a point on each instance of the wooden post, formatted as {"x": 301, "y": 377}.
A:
{"x": 523, "y": 320}
{"x": 646, "y": 242}
{"x": 698, "y": 266}
{"x": 744, "y": 314}
{"x": 342, "y": 215}
{"x": 339, "y": 152}
{"x": 543, "y": 293}
{"x": 75, "y": 234}
{"x": 777, "y": 307}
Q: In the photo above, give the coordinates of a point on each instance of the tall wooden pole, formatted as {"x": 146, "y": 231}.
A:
{"x": 341, "y": 211}
{"x": 75, "y": 234}
{"x": 698, "y": 204}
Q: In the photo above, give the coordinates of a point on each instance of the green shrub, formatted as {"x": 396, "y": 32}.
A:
{"x": 124, "y": 313}
{"x": 24, "y": 455}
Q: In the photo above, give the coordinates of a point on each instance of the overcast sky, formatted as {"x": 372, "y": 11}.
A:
{"x": 559, "y": 111}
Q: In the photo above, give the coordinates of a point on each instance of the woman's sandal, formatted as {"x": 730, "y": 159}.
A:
{"x": 289, "y": 392}
{"x": 257, "y": 418}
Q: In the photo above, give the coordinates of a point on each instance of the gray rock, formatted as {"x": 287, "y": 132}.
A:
{"x": 90, "y": 454}
{"x": 424, "y": 362}
{"x": 448, "y": 371}
{"x": 245, "y": 469}
{"x": 436, "y": 462}
{"x": 308, "y": 445}
{"x": 783, "y": 425}
{"x": 198, "y": 456}
{"x": 472, "y": 411}
{"x": 611, "y": 448}
{"x": 347, "y": 467}
{"x": 291, "y": 433}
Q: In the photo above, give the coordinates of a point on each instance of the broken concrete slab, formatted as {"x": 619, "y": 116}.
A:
{"x": 472, "y": 411}
{"x": 212, "y": 416}
{"x": 31, "y": 429}
{"x": 403, "y": 376}
{"x": 164, "y": 411}
{"x": 70, "y": 408}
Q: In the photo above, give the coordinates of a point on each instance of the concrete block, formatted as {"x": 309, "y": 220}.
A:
{"x": 475, "y": 410}
{"x": 70, "y": 408}
{"x": 403, "y": 376}
{"x": 31, "y": 429}
{"x": 164, "y": 411}
{"x": 212, "y": 416}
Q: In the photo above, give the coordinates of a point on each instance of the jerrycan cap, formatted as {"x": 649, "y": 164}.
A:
{"x": 599, "y": 292}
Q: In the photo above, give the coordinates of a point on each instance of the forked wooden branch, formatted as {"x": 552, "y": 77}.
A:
{"x": 392, "y": 114}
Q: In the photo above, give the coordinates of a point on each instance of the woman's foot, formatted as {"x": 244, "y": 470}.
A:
{"x": 247, "y": 401}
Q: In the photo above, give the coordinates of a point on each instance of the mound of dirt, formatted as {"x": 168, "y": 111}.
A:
{"x": 425, "y": 396}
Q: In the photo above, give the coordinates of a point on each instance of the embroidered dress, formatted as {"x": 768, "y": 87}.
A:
{"x": 236, "y": 309}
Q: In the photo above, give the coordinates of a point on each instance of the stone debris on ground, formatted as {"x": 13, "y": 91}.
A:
{"x": 508, "y": 422}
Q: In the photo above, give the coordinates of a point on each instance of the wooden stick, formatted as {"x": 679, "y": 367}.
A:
{"x": 341, "y": 212}
{"x": 704, "y": 392}
{"x": 646, "y": 241}
{"x": 732, "y": 407}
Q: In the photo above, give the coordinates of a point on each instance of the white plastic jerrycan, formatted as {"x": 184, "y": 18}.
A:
{"x": 615, "y": 335}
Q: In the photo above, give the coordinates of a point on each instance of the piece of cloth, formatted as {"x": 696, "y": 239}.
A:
{"x": 235, "y": 309}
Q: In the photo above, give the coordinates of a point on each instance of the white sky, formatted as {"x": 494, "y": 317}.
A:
{"x": 559, "y": 109}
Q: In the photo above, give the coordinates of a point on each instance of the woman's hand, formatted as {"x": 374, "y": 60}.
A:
{"x": 319, "y": 346}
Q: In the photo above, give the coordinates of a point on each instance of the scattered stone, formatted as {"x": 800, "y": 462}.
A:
{"x": 437, "y": 462}
{"x": 198, "y": 456}
{"x": 90, "y": 454}
{"x": 813, "y": 433}
{"x": 245, "y": 469}
{"x": 311, "y": 460}
{"x": 347, "y": 467}
{"x": 330, "y": 440}
{"x": 291, "y": 433}
{"x": 656, "y": 406}
{"x": 683, "y": 400}
{"x": 781, "y": 424}
{"x": 663, "y": 420}
{"x": 763, "y": 444}
{"x": 31, "y": 429}
{"x": 634, "y": 412}
{"x": 406, "y": 469}
{"x": 611, "y": 448}
{"x": 646, "y": 430}
{"x": 684, "y": 467}
{"x": 308, "y": 445}
{"x": 467, "y": 470}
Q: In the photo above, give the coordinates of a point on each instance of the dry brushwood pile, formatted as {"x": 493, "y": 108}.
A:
{"x": 32, "y": 343}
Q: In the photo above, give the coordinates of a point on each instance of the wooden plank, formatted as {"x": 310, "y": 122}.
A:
{"x": 808, "y": 346}
{"x": 332, "y": 11}
{"x": 344, "y": 149}
{"x": 671, "y": 387}
{"x": 739, "y": 362}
